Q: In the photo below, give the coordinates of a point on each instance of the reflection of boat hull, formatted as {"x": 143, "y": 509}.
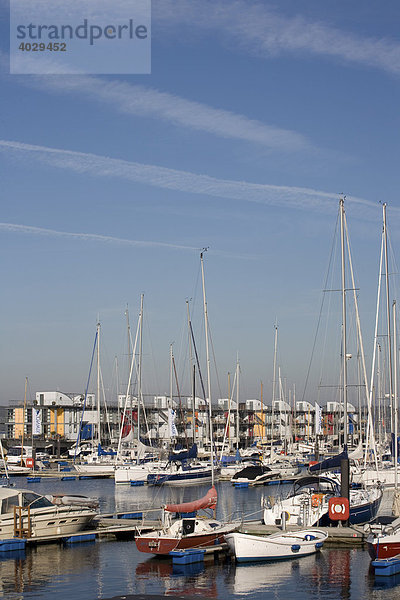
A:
{"x": 279, "y": 546}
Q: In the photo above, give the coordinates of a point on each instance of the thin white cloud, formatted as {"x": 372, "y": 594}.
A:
{"x": 89, "y": 237}
{"x": 255, "y": 28}
{"x": 144, "y": 101}
{"x": 183, "y": 181}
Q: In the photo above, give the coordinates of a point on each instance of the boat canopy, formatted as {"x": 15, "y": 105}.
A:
{"x": 208, "y": 501}
{"x": 314, "y": 485}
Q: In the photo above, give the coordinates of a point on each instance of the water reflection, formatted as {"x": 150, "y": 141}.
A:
{"x": 185, "y": 580}
{"x": 35, "y": 569}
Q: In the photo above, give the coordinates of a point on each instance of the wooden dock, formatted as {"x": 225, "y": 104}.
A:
{"x": 117, "y": 526}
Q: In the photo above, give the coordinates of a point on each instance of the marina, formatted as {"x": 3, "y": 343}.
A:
{"x": 107, "y": 564}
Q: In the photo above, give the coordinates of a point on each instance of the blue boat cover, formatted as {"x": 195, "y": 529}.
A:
{"x": 184, "y": 454}
{"x": 329, "y": 463}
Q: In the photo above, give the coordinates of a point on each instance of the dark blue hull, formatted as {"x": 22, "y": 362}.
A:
{"x": 358, "y": 514}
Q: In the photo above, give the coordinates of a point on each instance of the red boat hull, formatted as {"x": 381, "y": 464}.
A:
{"x": 383, "y": 550}
{"x": 164, "y": 545}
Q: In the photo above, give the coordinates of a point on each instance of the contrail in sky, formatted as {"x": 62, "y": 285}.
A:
{"x": 89, "y": 237}
{"x": 183, "y": 181}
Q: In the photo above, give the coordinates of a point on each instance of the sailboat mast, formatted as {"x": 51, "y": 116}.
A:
{"x": 23, "y": 423}
{"x": 98, "y": 385}
{"x": 395, "y": 396}
{"x": 208, "y": 368}
{"x": 140, "y": 366}
{"x": 273, "y": 390}
{"x": 389, "y": 333}
{"x": 344, "y": 332}
{"x": 237, "y": 403}
{"x": 192, "y": 375}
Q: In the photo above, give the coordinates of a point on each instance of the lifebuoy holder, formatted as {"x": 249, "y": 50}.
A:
{"x": 30, "y": 462}
{"x": 339, "y": 509}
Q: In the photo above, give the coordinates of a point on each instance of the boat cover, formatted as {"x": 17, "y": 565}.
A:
{"x": 184, "y": 454}
{"x": 208, "y": 501}
{"x": 329, "y": 463}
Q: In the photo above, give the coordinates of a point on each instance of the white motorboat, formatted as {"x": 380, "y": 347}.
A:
{"x": 278, "y": 546}
{"x": 384, "y": 537}
{"x": 33, "y": 515}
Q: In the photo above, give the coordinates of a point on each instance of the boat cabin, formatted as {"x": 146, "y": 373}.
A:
{"x": 11, "y": 497}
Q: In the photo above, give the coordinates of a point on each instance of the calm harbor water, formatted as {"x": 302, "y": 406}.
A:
{"x": 107, "y": 568}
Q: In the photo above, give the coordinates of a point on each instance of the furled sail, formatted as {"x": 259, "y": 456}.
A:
{"x": 208, "y": 501}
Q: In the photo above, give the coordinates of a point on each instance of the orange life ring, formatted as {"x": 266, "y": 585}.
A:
{"x": 316, "y": 500}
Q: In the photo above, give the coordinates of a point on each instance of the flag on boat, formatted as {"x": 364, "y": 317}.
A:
{"x": 36, "y": 421}
{"x": 318, "y": 419}
{"x": 173, "y": 432}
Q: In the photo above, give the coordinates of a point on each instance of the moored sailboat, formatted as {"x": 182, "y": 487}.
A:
{"x": 183, "y": 533}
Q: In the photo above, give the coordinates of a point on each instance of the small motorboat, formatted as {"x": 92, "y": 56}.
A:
{"x": 384, "y": 537}
{"x": 26, "y": 512}
{"x": 278, "y": 546}
{"x": 184, "y": 533}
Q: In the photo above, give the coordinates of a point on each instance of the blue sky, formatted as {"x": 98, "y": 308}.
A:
{"x": 255, "y": 118}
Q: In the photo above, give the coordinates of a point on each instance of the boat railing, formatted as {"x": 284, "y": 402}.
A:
{"x": 21, "y": 512}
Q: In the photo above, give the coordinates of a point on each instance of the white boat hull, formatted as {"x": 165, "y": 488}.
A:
{"x": 61, "y": 520}
{"x": 279, "y": 546}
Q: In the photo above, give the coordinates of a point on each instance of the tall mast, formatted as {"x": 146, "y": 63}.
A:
{"x": 344, "y": 332}
{"x": 192, "y": 374}
{"x": 389, "y": 334}
{"x": 208, "y": 368}
{"x": 23, "y": 422}
{"x": 129, "y": 340}
{"x": 395, "y": 395}
{"x": 140, "y": 366}
{"x": 237, "y": 402}
{"x": 273, "y": 390}
{"x": 98, "y": 385}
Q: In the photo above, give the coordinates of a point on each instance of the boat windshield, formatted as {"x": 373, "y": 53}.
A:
{"x": 35, "y": 500}
{"x": 314, "y": 485}
{"x": 7, "y": 506}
